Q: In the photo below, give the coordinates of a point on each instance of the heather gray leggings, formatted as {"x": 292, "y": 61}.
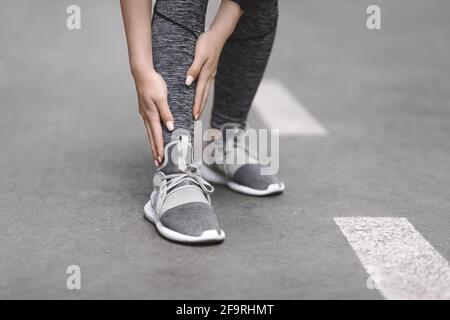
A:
{"x": 175, "y": 29}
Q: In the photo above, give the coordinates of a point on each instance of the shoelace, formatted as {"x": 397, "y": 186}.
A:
{"x": 191, "y": 173}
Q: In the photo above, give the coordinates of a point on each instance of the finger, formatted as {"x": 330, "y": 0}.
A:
{"x": 165, "y": 113}
{"x": 195, "y": 69}
{"x": 150, "y": 139}
{"x": 156, "y": 130}
{"x": 144, "y": 115}
{"x": 199, "y": 92}
{"x": 147, "y": 128}
{"x": 205, "y": 97}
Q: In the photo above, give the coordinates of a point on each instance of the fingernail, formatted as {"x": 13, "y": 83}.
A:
{"x": 189, "y": 80}
{"x": 156, "y": 163}
{"x": 159, "y": 159}
{"x": 169, "y": 125}
{"x": 196, "y": 117}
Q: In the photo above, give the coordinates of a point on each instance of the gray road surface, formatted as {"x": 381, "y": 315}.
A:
{"x": 75, "y": 169}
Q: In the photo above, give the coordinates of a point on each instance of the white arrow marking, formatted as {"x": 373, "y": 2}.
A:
{"x": 401, "y": 264}
{"x": 280, "y": 109}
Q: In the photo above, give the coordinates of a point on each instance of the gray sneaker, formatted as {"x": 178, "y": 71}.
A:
{"x": 243, "y": 177}
{"x": 180, "y": 205}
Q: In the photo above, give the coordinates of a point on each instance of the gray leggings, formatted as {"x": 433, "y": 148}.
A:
{"x": 175, "y": 29}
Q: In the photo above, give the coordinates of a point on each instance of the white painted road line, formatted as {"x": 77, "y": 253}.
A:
{"x": 280, "y": 109}
{"x": 400, "y": 262}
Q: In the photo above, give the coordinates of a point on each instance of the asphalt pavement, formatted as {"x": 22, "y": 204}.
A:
{"x": 75, "y": 168}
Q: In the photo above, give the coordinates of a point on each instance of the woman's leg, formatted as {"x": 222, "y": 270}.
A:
{"x": 241, "y": 67}
{"x": 243, "y": 61}
{"x": 175, "y": 28}
{"x": 180, "y": 206}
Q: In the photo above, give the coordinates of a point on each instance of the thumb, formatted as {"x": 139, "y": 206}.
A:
{"x": 194, "y": 70}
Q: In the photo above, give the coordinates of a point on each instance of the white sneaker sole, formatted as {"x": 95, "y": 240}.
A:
{"x": 214, "y": 177}
{"x": 209, "y": 236}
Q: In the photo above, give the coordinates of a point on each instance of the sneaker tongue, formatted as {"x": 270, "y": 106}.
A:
{"x": 178, "y": 155}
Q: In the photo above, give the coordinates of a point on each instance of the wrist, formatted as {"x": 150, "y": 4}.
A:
{"x": 141, "y": 71}
{"x": 219, "y": 36}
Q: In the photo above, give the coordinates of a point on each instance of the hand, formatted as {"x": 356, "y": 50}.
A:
{"x": 154, "y": 109}
{"x": 204, "y": 68}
